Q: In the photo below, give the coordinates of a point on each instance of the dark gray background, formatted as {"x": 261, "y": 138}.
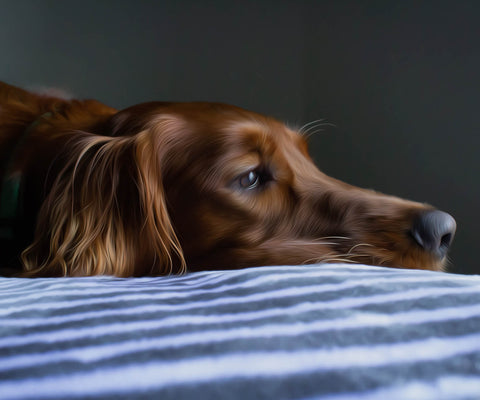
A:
{"x": 398, "y": 79}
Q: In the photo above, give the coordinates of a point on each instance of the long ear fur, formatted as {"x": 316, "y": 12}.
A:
{"x": 106, "y": 213}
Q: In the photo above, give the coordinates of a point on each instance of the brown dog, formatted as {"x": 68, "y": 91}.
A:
{"x": 162, "y": 187}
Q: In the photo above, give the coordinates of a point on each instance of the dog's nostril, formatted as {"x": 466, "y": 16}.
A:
{"x": 434, "y": 231}
{"x": 446, "y": 240}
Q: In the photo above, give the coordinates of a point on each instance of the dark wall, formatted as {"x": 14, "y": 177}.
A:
{"x": 399, "y": 80}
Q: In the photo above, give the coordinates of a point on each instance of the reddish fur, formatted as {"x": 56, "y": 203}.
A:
{"x": 154, "y": 189}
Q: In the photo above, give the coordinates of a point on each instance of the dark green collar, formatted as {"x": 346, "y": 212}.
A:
{"x": 11, "y": 186}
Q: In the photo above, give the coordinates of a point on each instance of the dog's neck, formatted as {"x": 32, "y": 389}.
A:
{"x": 11, "y": 185}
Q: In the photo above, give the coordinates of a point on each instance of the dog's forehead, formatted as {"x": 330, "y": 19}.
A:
{"x": 229, "y": 126}
{"x": 259, "y": 134}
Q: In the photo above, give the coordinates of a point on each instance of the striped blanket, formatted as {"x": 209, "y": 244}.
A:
{"x": 311, "y": 332}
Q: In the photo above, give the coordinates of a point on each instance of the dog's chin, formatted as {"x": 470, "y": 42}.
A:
{"x": 426, "y": 263}
{"x": 414, "y": 260}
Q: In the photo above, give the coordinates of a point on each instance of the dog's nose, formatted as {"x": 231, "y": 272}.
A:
{"x": 434, "y": 231}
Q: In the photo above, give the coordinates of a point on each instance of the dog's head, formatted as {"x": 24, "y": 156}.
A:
{"x": 215, "y": 186}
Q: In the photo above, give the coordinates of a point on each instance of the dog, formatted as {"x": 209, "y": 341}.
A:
{"x": 161, "y": 188}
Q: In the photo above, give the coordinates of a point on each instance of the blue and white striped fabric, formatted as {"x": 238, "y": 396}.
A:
{"x": 312, "y": 332}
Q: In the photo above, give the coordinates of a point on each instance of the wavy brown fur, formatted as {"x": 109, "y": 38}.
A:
{"x": 162, "y": 187}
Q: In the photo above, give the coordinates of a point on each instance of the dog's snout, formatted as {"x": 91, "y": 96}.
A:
{"x": 434, "y": 231}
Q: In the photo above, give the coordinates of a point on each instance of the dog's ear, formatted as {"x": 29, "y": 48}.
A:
{"x": 154, "y": 222}
{"x": 106, "y": 213}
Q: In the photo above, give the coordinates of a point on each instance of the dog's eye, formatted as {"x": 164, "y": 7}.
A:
{"x": 250, "y": 180}
{"x": 255, "y": 179}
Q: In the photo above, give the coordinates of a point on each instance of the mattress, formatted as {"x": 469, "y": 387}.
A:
{"x": 290, "y": 332}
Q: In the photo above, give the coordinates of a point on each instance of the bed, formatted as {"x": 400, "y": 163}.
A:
{"x": 288, "y": 332}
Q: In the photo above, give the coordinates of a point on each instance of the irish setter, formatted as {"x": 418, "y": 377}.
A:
{"x": 161, "y": 188}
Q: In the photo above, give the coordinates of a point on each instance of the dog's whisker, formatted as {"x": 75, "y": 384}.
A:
{"x": 301, "y": 129}
{"x": 307, "y": 132}
{"x": 341, "y": 260}
{"x": 335, "y": 237}
{"x": 310, "y": 134}
{"x": 359, "y": 245}
{"x": 316, "y": 128}
{"x": 313, "y": 126}
{"x": 338, "y": 257}
{"x": 312, "y": 243}
{"x": 331, "y": 260}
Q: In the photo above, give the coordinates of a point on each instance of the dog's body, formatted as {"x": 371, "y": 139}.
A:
{"x": 162, "y": 187}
